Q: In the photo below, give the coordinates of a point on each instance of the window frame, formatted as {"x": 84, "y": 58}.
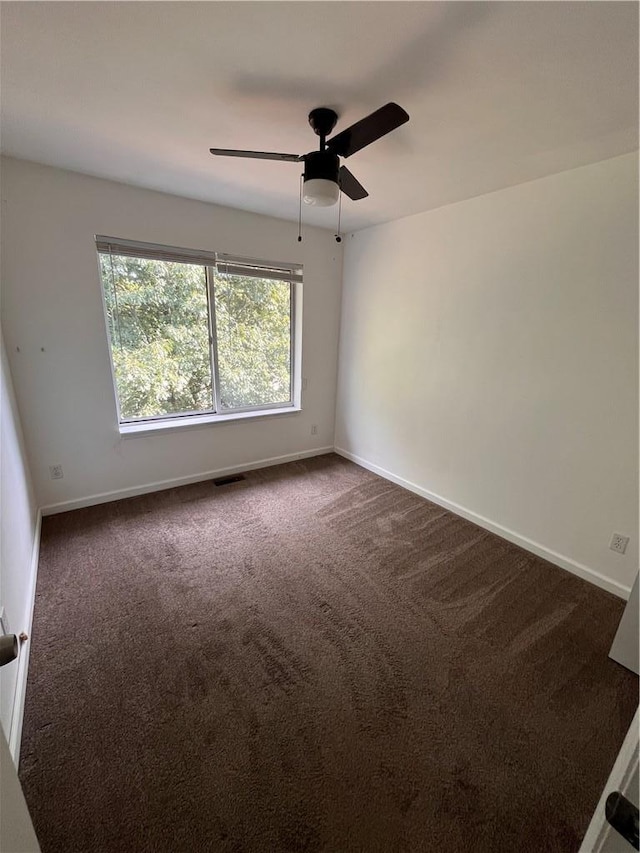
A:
{"x": 210, "y": 262}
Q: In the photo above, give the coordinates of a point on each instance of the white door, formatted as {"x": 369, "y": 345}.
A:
{"x": 625, "y": 644}
{"x": 16, "y": 830}
{"x": 601, "y": 837}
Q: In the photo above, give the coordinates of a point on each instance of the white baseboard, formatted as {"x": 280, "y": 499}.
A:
{"x": 118, "y": 494}
{"x": 17, "y": 713}
{"x": 560, "y": 560}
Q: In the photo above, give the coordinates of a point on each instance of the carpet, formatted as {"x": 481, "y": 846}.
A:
{"x": 312, "y": 659}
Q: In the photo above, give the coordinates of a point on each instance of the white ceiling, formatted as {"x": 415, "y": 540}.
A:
{"x": 498, "y": 93}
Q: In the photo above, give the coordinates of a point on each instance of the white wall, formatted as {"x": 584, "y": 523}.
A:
{"x": 489, "y": 355}
{"x": 52, "y": 302}
{"x": 18, "y": 552}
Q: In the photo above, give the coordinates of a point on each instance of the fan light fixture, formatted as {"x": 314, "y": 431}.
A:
{"x": 321, "y": 192}
{"x": 324, "y": 178}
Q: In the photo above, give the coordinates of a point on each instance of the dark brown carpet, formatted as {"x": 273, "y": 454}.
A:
{"x": 312, "y": 660}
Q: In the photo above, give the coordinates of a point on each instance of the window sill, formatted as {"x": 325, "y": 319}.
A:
{"x": 132, "y": 430}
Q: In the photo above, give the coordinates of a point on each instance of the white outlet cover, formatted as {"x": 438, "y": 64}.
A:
{"x": 619, "y": 543}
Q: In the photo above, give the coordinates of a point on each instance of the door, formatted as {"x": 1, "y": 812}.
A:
{"x": 601, "y": 837}
{"x": 16, "y": 830}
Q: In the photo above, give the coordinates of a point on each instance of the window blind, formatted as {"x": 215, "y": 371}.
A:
{"x": 225, "y": 264}
{"x": 153, "y": 252}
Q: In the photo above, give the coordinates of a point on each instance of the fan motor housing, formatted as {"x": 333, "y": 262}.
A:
{"x": 321, "y": 164}
{"x": 323, "y": 120}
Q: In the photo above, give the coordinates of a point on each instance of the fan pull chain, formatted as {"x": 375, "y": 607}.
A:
{"x": 300, "y": 212}
{"x": 338, "y": 237}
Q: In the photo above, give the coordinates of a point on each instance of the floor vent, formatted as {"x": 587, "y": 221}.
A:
{"x": 226, "y": 481}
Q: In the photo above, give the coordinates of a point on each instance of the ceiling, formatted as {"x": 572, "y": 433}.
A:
{"x": 499, "y": 93}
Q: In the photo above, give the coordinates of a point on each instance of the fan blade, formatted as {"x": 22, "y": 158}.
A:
{"x": 350, "y": 185}
{"x": 257, "y": 155}
{"x": 367, "y": 130}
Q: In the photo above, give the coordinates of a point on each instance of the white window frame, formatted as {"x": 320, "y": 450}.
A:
{"x": 210, "y": 261}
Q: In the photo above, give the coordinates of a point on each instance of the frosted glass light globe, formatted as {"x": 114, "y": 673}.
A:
{"x": 320, "y": 192}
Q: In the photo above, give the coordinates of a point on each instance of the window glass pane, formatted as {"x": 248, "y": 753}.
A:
{"x": 253, "y": 323}
{"x": 159, "y": 325}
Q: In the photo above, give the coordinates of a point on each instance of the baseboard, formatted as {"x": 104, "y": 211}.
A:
{"x": 106, "y": 497}
{"x": 536, "y": 548}
{"x": 17, "y": 713}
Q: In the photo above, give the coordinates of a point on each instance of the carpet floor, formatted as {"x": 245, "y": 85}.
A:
{"x": 312, "y": 659}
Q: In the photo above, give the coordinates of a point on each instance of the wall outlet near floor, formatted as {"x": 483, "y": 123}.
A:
{"x": 619, "y": 543}
{"x": 314, "y": 429}
{"x": 55, "y": 472}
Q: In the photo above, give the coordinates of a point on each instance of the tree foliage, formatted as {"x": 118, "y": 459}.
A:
{"x": 158, "y": 313}
{"x": 253, "y": 333}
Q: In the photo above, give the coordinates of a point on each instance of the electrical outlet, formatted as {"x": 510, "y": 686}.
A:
{"x": 314, "y": 429}
{"x": 55, "y": 472}
{"x": 619, "y": 543}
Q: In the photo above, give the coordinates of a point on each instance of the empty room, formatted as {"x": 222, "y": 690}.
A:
{"x": 319, "y": 450}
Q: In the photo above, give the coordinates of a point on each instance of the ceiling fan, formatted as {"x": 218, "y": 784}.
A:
{"x": 324, "y": 177}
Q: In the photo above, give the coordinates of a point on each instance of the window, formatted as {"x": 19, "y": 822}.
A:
{"x": 198, "y": 334}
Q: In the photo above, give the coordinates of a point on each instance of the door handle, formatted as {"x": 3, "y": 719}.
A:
{"x": 623, "y": 817}
{"x": 8, "y": 648}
